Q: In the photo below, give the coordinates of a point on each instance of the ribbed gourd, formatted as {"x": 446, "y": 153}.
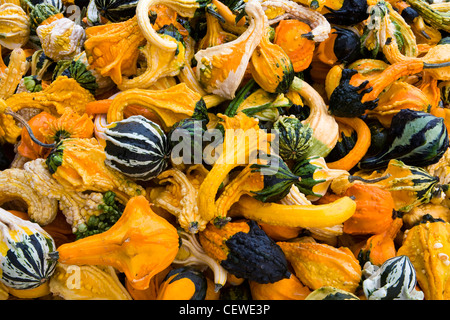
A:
{"x": 394, "y": 280}
{"x": 416, "y": 138}
{"x": 28, "y": 253}
{"x": 294, "y": 137}
{"x": 137, "y": 147}
{"x": 116, "y": 10}
{"x": 245, "y": 250}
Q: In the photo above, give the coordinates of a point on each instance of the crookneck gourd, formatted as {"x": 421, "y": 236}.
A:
{"x": 160, "y": 63}
{"x": 171, "y": 105}
{"x": 244, "y": 250}
{"x": 191, "y": 253}
{"x": 220, "y": 69}
{"x": 243, "y": 138}
{"x": 140, "y": 244}
{"x": 297, "y": 215}
{"x": 324, "y": 126}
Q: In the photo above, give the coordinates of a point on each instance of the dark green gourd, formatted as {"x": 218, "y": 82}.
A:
{"x": 137, "y": 147}
{"x": 186, "y": 141}
{"x": 255, "y": 256}
{"x": 278, "y": 180}
{"x": 116, "y": 10}
{"x": 416, "y": 138}
{"x": 294, "y": 138}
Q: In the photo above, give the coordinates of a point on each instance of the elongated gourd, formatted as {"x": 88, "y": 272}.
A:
{"x": 324, "y": 126}
{"x": 305, "y": 216}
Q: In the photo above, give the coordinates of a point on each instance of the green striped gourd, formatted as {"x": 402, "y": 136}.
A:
{"x": 137, "y": 147}
{"x": 116, "y": 10}
{"x": 294, "y": 137}
{"x": 394, "y": 280}
{"x": 27, "y": 253}
{"x": 417, "y": 138}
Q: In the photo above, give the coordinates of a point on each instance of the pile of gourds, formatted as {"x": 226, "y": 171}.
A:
{"x": 217, "y": 149}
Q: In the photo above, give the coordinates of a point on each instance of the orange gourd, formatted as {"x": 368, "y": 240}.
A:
{"x": 299, "y": 49}
{"x": 27, "y": 148}
{"x": 381, "y": 247}
{"x": 374, "y": 210}
{"x": 140, "y": 244}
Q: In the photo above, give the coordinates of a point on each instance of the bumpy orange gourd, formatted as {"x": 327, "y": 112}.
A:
{"x": 317, "y": 265}
{"x": 140, "y": 244}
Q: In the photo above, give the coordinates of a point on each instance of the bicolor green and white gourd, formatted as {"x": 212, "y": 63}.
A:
{"x": 417, "y": 138}
{"x": 28, "y": 254}
{"x": 394, "y": 280}
{"x": 137, "y": 147}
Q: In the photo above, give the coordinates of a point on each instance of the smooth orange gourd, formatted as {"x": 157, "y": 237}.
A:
{"x": 141, "y": 244}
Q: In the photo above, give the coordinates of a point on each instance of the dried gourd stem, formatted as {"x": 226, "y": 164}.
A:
{"x": 19, "y": 118}
{"x": 375, "y": 180}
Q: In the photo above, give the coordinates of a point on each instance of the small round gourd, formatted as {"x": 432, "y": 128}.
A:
{"x": 294, "y": 137}
{"x": 116, "y": 10}
{"x": 28, "y": 256}
{"x": 137, "y": 147}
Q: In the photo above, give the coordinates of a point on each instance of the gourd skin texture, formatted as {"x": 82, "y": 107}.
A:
{"x": 14, "y": 26}
{"x": 244, "y": 250}
{"x": 318, "y": 265}
{"x": 427, "y": 246}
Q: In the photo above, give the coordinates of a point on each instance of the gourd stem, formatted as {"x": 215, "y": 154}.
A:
{"x": 30, "y": 131}
{"x": 375, "y": 180}
{"x": 436, "y": 65}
